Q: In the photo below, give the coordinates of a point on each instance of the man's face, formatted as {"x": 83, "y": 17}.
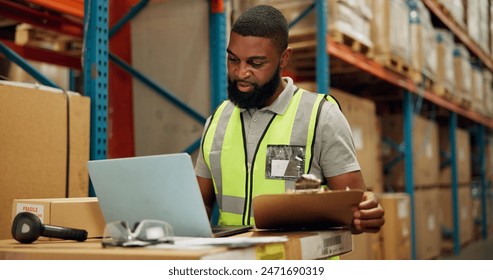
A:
{"x": 253, "y": 71}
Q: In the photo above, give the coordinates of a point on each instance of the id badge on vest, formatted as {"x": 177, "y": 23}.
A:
{"x": 286, "y": 162}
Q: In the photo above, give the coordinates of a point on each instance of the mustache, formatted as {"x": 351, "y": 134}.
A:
{"x": 243, "y": 81}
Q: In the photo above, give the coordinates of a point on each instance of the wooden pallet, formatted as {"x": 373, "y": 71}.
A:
{"x": 421, "y": 79}
{"x": 27, "y": 35}
{"x": 393, "y": 63}
{"x": 442, "y": 91}
{"x": 348, "y": 40}
{"x": 463, "y": 102}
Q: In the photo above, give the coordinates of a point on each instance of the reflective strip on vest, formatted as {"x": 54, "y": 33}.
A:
{"x": 225, "y": 154}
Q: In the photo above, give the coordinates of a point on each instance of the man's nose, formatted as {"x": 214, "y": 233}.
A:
{"x": 244, "y": 71}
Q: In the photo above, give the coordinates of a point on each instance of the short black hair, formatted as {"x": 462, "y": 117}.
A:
{"x": 265, "y": 22}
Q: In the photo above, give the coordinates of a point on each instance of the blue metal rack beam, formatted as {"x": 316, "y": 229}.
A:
{"x": 17, "y": 59}
{"x": 455, "y": 187}
{"x": 302, "y": 15}
{"x": 96, "y": 74}
{"x": 322, "y": 57}
{"x": 408, "y": 112}
{"x": 480, "y": 136}
{"x": 322, "y": 62}
{"x": 217, "y": 52}
{"x": 131, "y": 14}
{"x": 157, "y": 88}
{"x": 150, "y": 83}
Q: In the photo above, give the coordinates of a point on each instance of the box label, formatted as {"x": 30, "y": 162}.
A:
{"x": 402, "y": 209}
{"x": 326, "y": 244}
{"x": 358, "y": 137}
{"x": 429, "y": 150}
{"x": 36, "y": 209}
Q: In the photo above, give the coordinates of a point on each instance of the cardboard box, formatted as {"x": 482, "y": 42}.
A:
{"x": 366, "y": 246}
{"x": 80, "y": 213}
{"x": 426, "y": 157}
{"x": 362, "y": 117}
{"x": 463, "y": 156}
{"x": 351, "y": 18}
{"x": 444, "y": 79}
{"x": 489, "y": 158}
{"x": 427, "y": 225}
{"x": 462, "y": 72}
{"x": 390, "y": 31}
{"x": 396, "y": 232}
{"x": 465, "y": 212}
{"x": 43, "y": 129}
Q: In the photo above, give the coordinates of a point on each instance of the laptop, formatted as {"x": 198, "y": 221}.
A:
{"x": 159, "y": 187}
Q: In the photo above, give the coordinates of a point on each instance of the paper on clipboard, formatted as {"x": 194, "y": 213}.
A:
{"x": 305, "y": 210}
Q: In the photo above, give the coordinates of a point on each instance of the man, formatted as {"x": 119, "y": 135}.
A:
{"x": 270, "y": 132}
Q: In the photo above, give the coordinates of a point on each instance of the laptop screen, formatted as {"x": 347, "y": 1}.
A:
{"x": 161, "y": 187}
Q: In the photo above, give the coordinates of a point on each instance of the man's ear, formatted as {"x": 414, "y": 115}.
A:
{"x": 285, "y": 56}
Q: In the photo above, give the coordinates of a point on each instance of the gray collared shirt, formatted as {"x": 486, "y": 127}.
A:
{"x": 334, "y": 151}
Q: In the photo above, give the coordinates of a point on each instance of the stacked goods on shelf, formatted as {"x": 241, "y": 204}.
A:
{"x": 476, "y": 209}
{"x": 478, "y": 89}
{"x": 489, "y": 180}
{"x": 390, "y": 34}
{"x": 362, "y": 117}
{"x": 455, "y": 8}
{"x": 350, "y": 18}
{"x": 489, "y": 205}
{"x": 463, "y": 156}
{"x": 423, "y": 43}
{"x": 27, "y": 35}
{"x": 396, "y": 232}
{"x": 464, "y": 179}
{"x": 428, "y": 232}
{"x": 45, "y": 148}
{"x": 462, "y": 73}
{"x": 489, "y": 159}
{"x": 426, "y": 160}
{"x": 348, "y": 22}
{"x": 465, "y": 215}
{"x": 57, "y": 74}
{"x": 444, "y": 82}
{"x": 477, "y": 22}
{"x": 488, "y": 92}
{"x": 491, "y": 28}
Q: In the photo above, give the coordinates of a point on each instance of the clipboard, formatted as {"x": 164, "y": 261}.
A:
{"x": 318, "y": 210}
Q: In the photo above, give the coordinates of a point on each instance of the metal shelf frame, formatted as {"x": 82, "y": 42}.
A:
{"x": 97, "y": 56}
{"x": 325, "y": 45}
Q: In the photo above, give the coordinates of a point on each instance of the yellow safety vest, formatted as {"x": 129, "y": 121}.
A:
{"x": 236, "y": 182}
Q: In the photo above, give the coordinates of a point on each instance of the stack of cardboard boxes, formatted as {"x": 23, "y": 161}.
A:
{"x": 44, "y": 145}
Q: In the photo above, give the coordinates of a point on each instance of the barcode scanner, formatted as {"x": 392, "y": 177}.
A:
{"x": 27, "y": 228}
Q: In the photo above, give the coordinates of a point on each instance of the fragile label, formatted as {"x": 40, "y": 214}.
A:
{"x": 36, "y": 209}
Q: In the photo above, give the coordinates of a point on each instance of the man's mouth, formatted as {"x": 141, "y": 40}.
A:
{"x": 244, "y": 86}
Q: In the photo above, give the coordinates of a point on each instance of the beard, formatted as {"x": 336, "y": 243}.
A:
{"x": 256, "y": 98}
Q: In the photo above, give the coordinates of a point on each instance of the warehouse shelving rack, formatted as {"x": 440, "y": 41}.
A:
{"x": 96, "y": 59}
{"x": 411, "y": 90}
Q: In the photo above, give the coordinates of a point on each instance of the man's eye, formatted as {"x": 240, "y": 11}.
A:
{"x": 256, "y": 65}
{"x": 233, "y": 60}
